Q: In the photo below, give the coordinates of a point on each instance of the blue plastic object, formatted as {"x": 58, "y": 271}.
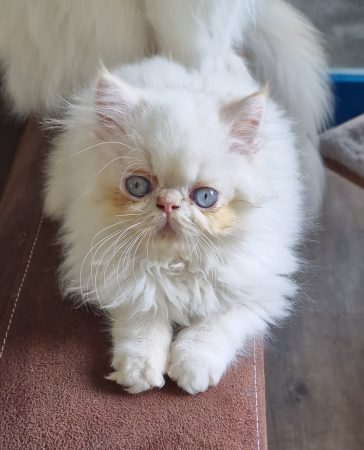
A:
{"x": 348, "y": 88}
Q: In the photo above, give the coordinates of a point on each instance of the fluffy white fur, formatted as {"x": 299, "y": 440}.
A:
{"x": 221, "y": 286}
{"x": 50, "y": 48}
{"x": 225, "y": 275}
{"x": 280, "y": 46}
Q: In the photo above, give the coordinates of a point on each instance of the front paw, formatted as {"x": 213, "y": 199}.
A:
{"x": 195, "y": 366}
{"x": 138, "y": 373}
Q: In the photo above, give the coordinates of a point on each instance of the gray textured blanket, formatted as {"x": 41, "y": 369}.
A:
{"x": 345, "y": 145}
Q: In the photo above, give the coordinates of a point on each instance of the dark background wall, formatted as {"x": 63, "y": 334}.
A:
{"x": 342, "y": 24}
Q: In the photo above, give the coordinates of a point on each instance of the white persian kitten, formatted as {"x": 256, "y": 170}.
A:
{"x": 180, "y": 200}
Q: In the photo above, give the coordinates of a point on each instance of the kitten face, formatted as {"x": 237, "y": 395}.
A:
{"x": 173, "y": 212}
{"x": 174, "y": 197}
{"x": 174, "y": 178}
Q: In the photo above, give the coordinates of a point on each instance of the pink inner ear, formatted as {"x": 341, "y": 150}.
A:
{"x": 115, "y": 100}
{"x": 245, "y": 117}
{"x": 245, "y": 130}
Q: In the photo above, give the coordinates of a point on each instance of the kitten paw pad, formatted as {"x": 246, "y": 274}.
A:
{"x": 195, "y": 370}
{"x": 136, "y": 374}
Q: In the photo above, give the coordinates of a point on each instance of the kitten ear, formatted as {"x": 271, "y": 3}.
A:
{"x": 115, "y": 101}
{"x": 244, "y": 117}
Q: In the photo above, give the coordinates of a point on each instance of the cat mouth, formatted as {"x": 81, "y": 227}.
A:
{"x": 167, "y": 230}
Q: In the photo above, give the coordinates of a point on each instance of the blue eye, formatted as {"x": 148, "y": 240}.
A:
{"x": 138, "y": 186}
{"x": 204, "y": 197}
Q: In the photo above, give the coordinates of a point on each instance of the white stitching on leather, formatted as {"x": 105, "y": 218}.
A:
{"x": 256, "y": 397}
{"x": 21, "y": 286}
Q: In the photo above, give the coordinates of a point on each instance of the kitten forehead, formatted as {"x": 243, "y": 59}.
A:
{"x": 175, "y": 170}
{"x": 179, "y": 140}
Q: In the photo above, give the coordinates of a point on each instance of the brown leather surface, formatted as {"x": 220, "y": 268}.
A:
{"x": 53, "y": 357}
{"x": 11, "y": 128}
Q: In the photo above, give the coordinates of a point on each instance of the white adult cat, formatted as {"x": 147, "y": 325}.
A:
{"x": 51, "y": 47}
{"x": 180, "y": 200}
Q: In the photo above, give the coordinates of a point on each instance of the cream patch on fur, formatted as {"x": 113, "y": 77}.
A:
{"x": 117, "y": 202}
{"x": 222, "y": 219}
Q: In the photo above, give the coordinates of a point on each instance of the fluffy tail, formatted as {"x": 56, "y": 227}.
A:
{"x": 285, "y": 50}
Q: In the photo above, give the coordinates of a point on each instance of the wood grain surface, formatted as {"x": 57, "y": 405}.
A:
{"x": 315, "y": 364}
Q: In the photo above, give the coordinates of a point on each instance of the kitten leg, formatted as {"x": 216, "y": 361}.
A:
{"x": 140, "y": 349}
{"x": 202, "y": 352}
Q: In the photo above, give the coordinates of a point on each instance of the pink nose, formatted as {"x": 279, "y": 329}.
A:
{"x": 166, "y": 206}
